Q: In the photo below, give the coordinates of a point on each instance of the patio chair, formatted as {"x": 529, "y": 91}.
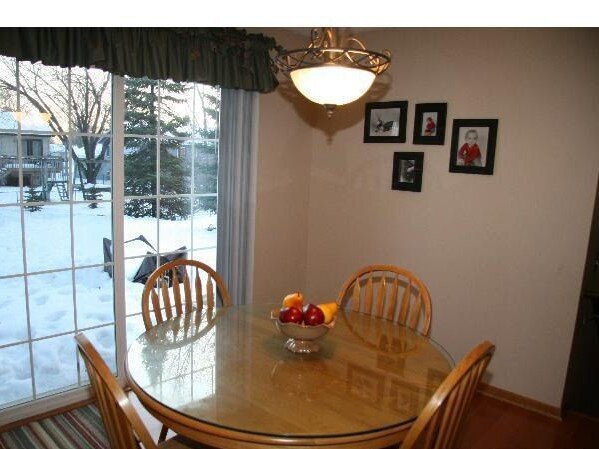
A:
{"x": 148, "y": 264}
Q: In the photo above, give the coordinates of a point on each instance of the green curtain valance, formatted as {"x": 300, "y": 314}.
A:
{"x": 225, "y": 57}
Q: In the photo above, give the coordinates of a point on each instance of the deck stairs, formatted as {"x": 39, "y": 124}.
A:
{"x": 61, "y": 187}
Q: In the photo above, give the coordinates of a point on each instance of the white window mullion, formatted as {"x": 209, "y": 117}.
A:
{"x": 118, "y": 222}
{"x": 193, "y": 158}
{"x": 158, "y": 196}
{"x": 23, "y": 240}
{"x": 71, "y": 192}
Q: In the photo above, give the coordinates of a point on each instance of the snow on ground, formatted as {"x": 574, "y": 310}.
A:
{"x": 51, "y": 304}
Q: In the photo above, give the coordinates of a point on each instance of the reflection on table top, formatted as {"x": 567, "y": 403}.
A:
{"x": 228, "y": 368}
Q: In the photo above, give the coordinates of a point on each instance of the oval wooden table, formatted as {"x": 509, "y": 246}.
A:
{"x": 222, "y": 377}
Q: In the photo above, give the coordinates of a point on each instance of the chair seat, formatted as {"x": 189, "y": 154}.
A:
{"x": 180, "y": 442}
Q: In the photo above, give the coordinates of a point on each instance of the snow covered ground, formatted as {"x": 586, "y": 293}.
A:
{"x": 66, "y": 300}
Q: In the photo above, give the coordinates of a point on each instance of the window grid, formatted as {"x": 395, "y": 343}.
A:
{"x": 71, "y": 135}
{"x": 99, "y": 201}
{"x": 158, "y": 136}
{"x": 73, "y": 268}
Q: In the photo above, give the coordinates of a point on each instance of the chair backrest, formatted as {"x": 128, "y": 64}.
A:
{"x": 123, "y": 425}
{"x": 179, "y": 285}
{"x": 440, "y": 420}
{"x": 400, "y": 296}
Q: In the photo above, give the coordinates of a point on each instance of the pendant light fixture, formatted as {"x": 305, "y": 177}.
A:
{"x": 330, "y": 71}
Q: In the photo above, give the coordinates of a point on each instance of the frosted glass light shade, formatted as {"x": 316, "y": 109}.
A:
{"x": 332, "y": 84}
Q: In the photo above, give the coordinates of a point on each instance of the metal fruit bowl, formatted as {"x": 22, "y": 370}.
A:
{"x": 301, "y": 337}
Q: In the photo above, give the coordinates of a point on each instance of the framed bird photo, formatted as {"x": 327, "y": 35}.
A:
{"x": 385, "y": 122}
{"x": 429, "y": 124}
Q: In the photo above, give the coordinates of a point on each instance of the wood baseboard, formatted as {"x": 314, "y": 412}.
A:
{"x": 583, "y": 416}
{"x": 46, "y": 414}
{"x": 521, "y": 401}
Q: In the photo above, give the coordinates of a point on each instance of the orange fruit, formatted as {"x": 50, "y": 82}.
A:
{"x": 330, "y": 310}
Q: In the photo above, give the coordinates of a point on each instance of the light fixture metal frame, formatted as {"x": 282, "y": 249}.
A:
{"x": 324, "y": 50}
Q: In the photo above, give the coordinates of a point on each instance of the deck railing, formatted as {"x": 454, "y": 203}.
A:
{"x": 50, "y": 168}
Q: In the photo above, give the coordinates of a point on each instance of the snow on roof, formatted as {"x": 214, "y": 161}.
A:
{"x": 57, "y": 149}
{"x": 31, "y": 122}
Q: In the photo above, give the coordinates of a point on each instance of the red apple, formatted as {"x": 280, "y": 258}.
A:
{"x": 313, "y": 316}
{"x": 291, "y": 315}
{"x": 309, "y": 306}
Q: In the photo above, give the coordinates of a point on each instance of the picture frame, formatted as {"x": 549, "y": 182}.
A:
{"x": 385, "y": 122}
{"x": 407, "y": 171}
{"x": 473, "y": 144}
{"x": 429, "y": 124}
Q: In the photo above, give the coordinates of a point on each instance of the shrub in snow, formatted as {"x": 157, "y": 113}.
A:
{"x": 33, "y": 196}
{"x": 93, "y": 194}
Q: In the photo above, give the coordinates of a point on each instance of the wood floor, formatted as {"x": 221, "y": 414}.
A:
{"x": 493, "y": 424}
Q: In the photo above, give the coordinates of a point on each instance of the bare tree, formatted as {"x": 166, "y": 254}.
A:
{"x": 82, "y": 95}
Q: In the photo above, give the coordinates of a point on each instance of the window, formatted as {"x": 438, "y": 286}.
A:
{"x": 52, "y": 265}
{"x": 170, "y": 159}
{"x": 33, "y": 147}
{"x": 56, "y": 211}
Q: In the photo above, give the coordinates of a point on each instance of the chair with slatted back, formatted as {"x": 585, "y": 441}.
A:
{"x": 124, "y": 427}
{"x": 178, "y": 285}
{"x": 439, "y": 422}
{"x": 391, "y": 292}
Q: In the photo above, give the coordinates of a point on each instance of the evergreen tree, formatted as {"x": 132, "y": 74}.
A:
{"x": 141, "y": 118}
{"x": 206, "y": 153}
{"x": 206, "y": 166}
{"x": 93, "y": 194}
{"x": 33, "y": 196}
{"x": 209, "y": 100}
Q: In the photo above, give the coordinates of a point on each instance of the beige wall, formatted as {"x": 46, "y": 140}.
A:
{"x": 503, "y": 254}
{"x": 283, "y": 171}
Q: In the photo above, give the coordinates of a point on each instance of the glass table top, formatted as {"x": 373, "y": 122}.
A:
{"x": 229, "y": 368}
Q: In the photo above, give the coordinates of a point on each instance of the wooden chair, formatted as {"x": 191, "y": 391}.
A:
{"x": 440, "y": 420}
{"x": 124, "y": 427}
{"x": 173, "y": 274}
{"x": 413, "y": 309}
{"x": 180, "y": 274}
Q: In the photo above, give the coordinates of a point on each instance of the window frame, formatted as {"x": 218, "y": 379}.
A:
{"x": 58, "y": 399}
{"x": 29, "y": 140}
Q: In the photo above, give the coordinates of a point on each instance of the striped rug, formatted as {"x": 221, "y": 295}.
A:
{"x": 81, "y": 428}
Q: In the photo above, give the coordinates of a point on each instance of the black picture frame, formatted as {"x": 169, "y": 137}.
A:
{"x": 485, "y": 133}
{"x": 436, "y": 117}
{"x": 407, "y": 171}
{"x": 385, "y": 122}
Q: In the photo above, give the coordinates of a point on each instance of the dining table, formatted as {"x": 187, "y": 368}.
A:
{"x": 223, "y": 378}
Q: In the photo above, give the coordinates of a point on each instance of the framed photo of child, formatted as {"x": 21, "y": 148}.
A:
{"x": 473, "y": 146}
{"x": 429, "y": 124}
{"x": 407, "y": 171}
{"x": 385, "y": 122}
